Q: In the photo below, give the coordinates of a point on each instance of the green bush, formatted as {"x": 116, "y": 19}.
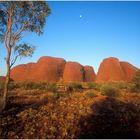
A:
{"x": 92, "y": 85}
{"x": 32, "y": 85}
{"x": 91, "y": 94}
{"x": 55, "y": 96}
{"x": 74, "y": 87}
{"x": 109, "y": 90}
{"x": 51, "y": 87}
{"x": 1, "y": 84}
{"x": 121, "y": 85}
{"x": 135, "y": 87}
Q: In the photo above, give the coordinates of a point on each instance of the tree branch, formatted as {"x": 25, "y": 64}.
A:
{"x": 17, "y": 34}
{"x": 13, "y": 61}
{"x": 5, "y": 40}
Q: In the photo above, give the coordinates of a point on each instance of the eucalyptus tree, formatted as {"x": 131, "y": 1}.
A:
{"x": 17, "y": 18}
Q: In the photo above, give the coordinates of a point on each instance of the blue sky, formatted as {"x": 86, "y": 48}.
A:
{"x": 87, "y": 32}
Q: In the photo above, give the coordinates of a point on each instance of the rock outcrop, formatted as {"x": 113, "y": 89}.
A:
{"x": 51, "y": 69}
{"x": 129, "y": 70}
{"x": 47, "y": 69}
{"x": 89, "y": 75}
{"x": 111, "y": 69}
{"x": 73, "y": 72}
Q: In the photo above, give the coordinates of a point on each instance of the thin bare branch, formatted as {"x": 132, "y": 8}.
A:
{"x": 13, "y": 61}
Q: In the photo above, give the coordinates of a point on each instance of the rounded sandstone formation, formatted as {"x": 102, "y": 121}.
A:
{"x": 50, "y": 69}
{"x": 129, "y": 70}
{"x": 73, "y": 72}
{"x": 23, "y": 72}
{"x": 47, "y": 69}
{"x": 89, "y": 75}
{"x": 110, "y": 70}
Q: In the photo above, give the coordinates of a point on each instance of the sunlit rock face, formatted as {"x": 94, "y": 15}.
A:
{"x": 47, "y": 69}
{"x": 52, "y": 69}
{"x": 129, "y": 70}
{"x": 73, "y": 72}
{"x": 89, "y": 75}
{"x": 111, "y": 70}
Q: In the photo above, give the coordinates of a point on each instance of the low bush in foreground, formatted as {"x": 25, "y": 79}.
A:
{"x": 109, "y": 90}
{"x": 74, "y": 87}
{"x": 51, "y": 87}
{"x": 1, "y": 84}
{"x": 93, "y": 85}
{"x": 135, "y": 87}
{"x": 32, "y": 85}
{"x": 91, "y": 94}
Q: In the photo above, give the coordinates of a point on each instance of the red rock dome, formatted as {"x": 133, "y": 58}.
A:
{"x": 47, "y": 69}
{"x": 73, "y": 72}
{"x": 89, "y": 74}
{"x": 110, "y": 70}
{"x": 129, "y": 70}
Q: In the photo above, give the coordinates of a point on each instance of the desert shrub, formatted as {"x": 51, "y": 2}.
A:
{"x": 1, "y": 84}
{"x": 109, "y": 90}
{"x": 13, "y": 85}
{"x": 111, "y": 118}
{"x": 74, "y": 87}
{"x": 121, "y": 85}
{"x": 92, "y": 85}
{"x": 51, "y": 87}
{"x": 135, "y": 87}
{"x": 32, "y": 85}
{"x": 91, "y": 94}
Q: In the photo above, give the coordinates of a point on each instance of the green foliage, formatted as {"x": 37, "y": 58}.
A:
{"x": 91, "y": 94}
{"x": 32, "y": 85}
{"x": 24, "y": 50}
{"x": 93, "y": 85}
{"x": 1, "y": 84}
{"x": 28, "y": 16}
{"x": 121, "y": 85}
{"x": 109, "y": 90}
{"x": 12, "y": 85}
{"x": 135, "y": 87}
{"x": 56, "y": 96}
{"x": 136, "y": 77}
{"x": 74, "y": 87}
{"x": 51, "y": 87}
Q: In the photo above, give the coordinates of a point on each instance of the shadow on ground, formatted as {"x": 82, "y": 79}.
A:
{"x": 111, "y": 118}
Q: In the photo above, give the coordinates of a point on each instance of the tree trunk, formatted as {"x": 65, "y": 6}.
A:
{"x": 4, "y": 98}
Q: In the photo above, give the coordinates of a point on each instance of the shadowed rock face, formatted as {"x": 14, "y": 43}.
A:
{"x": 89, "y": 74}
{"x": 73, "y": 72}
{"x": 112, "y": 70}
